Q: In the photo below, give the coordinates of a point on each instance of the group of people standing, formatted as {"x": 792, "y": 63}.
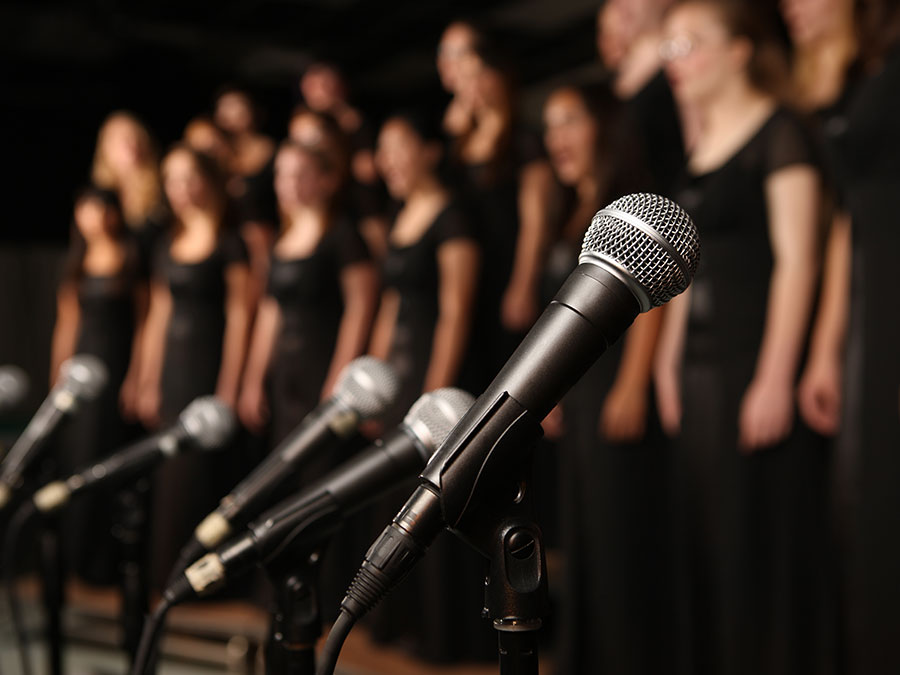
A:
{"x": 727, "y": 469}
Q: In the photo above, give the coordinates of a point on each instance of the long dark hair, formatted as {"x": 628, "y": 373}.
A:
{"x": 879, "y": 28}
{"x": 73, "y": 270}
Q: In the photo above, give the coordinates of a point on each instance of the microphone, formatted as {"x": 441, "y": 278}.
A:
{"x": 319, "y": 509}
{"x": 13, "y": 387}
{"x": 366, "y": 388}
{"x": 82, "y": 378}
{"x": 206, "y": 423}
{"x": 639, "y": 252}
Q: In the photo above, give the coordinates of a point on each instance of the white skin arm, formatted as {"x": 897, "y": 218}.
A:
{"x": 251, "y": 405}
{"x": 767, "y": 410}
{"x": 458, "y": 279}
{"x": 359, "y": 284}
{"x": 819, "y": 392}
{"x": 237, "y": 322}
{"x": 65, "y": 332}
{"x": 153, "y": 352}
{"x": 667, "y": 365}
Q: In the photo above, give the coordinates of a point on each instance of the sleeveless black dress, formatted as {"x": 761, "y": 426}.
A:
{"x": 106, "y": 330}
{"x": 308, "y": 293}
{"x": 615, "y": 614}
{"x": 435, "y": 612}
{"x": 188, "y": 487}
{"x": 870, "y": 153}
{"x": 754, "y": 578}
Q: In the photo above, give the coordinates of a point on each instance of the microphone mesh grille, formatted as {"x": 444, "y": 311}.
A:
{"x": 633, "y": 250}
{"x": 368, "y": 385}
{"x": 209, "y": 422}
{"x": 13, "y": 386}
{"x": 84, "y": 376}
{"x": 437, "y": 412}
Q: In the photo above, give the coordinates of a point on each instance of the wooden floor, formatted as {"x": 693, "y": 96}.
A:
{"x": 215, "y": 637}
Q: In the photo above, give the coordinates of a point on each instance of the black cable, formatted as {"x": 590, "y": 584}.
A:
{"x": 190, "y": 553}
{"x": 10, "y": 542}
{"x": 331, "y": 651}
{"x": 150, "y": 637}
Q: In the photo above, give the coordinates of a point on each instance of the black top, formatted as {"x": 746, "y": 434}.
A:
{"x": 728, "y": 205}
{"x": 657, "y": 130}
{"x": 256, "y": 201}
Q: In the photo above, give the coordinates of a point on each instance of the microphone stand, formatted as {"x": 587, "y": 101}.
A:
{"x": 516, "y": 598}
{"x": 296, "y": 624}
{"x": 130, "y": 532}
{"x": 51, "y": 568}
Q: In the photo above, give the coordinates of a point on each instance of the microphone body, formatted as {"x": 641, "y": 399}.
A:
{"x": 13, "y": 387}
{"x": 82, "y": 378}
{"x": 638, "y": 253}
{"x": 320, "y": 509}
{"x": 366, "y": 388}
{"x": 206, "y": 423}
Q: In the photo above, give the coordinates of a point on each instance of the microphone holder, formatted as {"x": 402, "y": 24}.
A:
{"x": 296, "y": 624}
{"x": 503, "y": 528}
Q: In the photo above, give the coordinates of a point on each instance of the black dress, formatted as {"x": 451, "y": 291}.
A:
{"x": 189, "y": 486}
{"x": 436, "y": 611}
{"x": 753, "y": 541}
{"x": 309, "y": 296}
{"x": 870, "y": 151}
{"x": 615, "y": 612}
{"x": 106, "y": 330}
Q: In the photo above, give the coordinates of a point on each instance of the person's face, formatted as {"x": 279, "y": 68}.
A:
{"x": 298, "y": 179}
{"x": 701, "y": 57}
{"x": 306, "y": 129}
{"x": 94, "y": 219}
{"x": 810, "y": 21}
{"x": 454, "y": 49}
{"x": 234, "y": 113}
{"x": 612, "y": 35}
{"x": 321, "y": 88}
{"x": 185, "y": 187}
{"x": 122, "y": 145}
{"x": 570, "y": 134}
{"x": 401, "y": 158}
{"x": 206, "y": 138}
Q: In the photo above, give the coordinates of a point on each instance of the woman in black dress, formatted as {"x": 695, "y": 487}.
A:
{"x": 755, "y": 579}
{"x": 615, "y": 617}
{"x": 507, "y": 186}
{"x": 126, "y": 161}
{"x": 422, "y": 329}
{"x": 318, "y": 308}
{"x": 195, "y": 341}
{"x": 101, "y": 308}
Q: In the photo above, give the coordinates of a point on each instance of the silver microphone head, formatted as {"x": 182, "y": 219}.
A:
{"x": 368, "y": 386}
{"x": 433, "y": 415}
{"x": 208, "y": 421}
{"x": 13, "y": 386}
{"x": 83, "y": 376}
{"x": 648, "y": 242}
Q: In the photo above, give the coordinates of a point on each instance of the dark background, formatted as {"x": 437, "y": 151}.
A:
{"x": 67, "y": 65}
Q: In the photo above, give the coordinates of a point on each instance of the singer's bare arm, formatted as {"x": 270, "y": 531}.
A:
{"x": 520, "y": 301}
{"x": 624, "y": 415}
{"x": 667, "y": 364}
{"x": 153, "y": 352}
{"x": 237, "y": 320}
{"x": 252, "y": 406}
{"x": 457, "y": 281}
{"x": 383, "y": 330}
{"x": 65, "y": 332}
{"x": 819, "y": 392}
{"x": 767, "y": 410}
{"x": 359, "y": 287}
{"x": 128, "y": 394}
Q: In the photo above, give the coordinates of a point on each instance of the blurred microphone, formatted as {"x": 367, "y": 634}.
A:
{"x": 13, "y": 387}
{"x": 366, "y": 388}
{"x": 639, "y": 252}
{"x": 206, "y": 424}
{"x": 81, "y": 378}
{"x": 319, "y": 509}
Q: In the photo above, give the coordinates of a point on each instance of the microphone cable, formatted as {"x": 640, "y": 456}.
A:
{"x": 340, "y": 630}
{"x": 150, "y": 637}
{"x": 14, "y": 531}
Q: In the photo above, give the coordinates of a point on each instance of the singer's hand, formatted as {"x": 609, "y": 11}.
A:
{"x": 148, "y": 405}
{"x": 819, "y": 395}
{"x": 554, "y": 423}
{"x": 519, "y": 308}
{"x": 623, "y": 418}
{"x": 252, "y": 408}
{"x": 766, "y": 416}
{"x": 128, "y": 398}
{"x": 668, "y": 402}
